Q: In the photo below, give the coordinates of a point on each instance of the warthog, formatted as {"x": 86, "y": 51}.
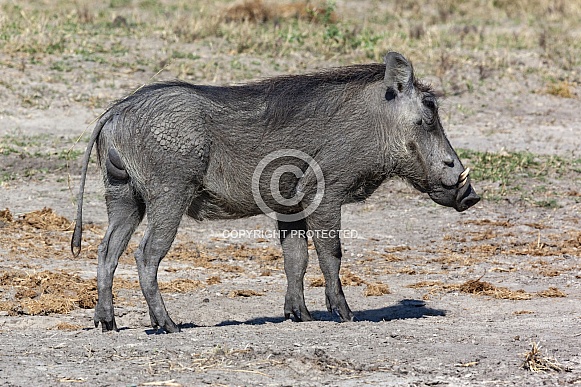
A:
{"x": 326, "y": 138}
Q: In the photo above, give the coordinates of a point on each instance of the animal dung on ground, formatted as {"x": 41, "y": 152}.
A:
{"x": 484, "y": 288}
{"x": 377, "y": 289}
{"x": 46, "y": 292}
{"x": 47, "y": 219}
{"x": 244, "y": 293}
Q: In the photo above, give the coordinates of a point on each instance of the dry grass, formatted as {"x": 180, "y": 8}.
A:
{"x": 47, "y": 219}
{"x": 535, "y": 361}
{"x": 562, "y": 89}
{"x": 348, "y": 278}
{"x": 6, "y": 216}
{"x": 219, "y": 359}
{"x": 220, "y": 258}
{"x": 65, "y": 326}
{"x": 486, "y": 288}
{"x": 447, "y": 257}
{"x": 376, "y": 289}
{"x": 532, "y": 244}
{"x": 42, "y": 293}
{"x": 317, "y": 282}
{"x": 258, "y": 11}
{"x": 396, "y": 249}
{"x": 483, "y": 288}
{"x": 181, "y": 285}
{"x": 46, "y": 292}
{"x": 520, "y": 312}
{"x": 387, "y": 257}
{"x": 251, "y": 362}
{"x": 42, "y": 234}
{"x": 550, "y": 245}
{"x": 244, "y": 293}
{"x": 489, "y": 222}
{"x": 214, "y": 280}
{"x": 552, "y": 292}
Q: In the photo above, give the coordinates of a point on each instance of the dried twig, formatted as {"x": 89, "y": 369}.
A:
{"x": 535, "y": 362}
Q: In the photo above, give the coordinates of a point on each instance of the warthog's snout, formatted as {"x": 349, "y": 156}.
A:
{"x": 466, "y": 196}
{"x": 460, "y": 195}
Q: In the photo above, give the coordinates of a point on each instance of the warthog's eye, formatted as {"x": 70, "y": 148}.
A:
{"x": 390, "y": 94}
{"x": 430, "y": 104}
{"x": 430, "y": 113}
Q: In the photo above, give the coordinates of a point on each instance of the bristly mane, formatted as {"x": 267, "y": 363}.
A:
{"x": 284, "y": 97}
{"x": 355, "y": 74}
{"x": 324, "y": 91}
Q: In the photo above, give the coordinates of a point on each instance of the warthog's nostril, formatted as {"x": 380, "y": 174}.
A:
{"x": 468, "y": 198}
{"x": 469, "y": 202}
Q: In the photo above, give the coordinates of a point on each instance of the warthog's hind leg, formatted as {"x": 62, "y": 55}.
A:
{"x": 163, "y": 216}
{"x": 125, "y": 213}
{"x": 294, "y": 248}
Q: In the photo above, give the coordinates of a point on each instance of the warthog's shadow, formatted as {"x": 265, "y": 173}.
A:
{"x": 405, "y": 309}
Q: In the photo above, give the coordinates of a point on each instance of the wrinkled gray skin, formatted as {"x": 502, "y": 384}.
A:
{"x": 174, "y": 148}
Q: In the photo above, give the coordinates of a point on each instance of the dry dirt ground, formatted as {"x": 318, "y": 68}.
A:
{"x": 480, "y": 298}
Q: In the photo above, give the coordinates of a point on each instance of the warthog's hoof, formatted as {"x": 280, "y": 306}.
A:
{"x": 338, "y": 307}
{"x": 298, "y": 315}
{"x": 167, "y": 324}
{"x": 344, "y": 316}
{"x": 106, "y": 326}
{"x": 293, "y": 307}
{"x": 105, "y": 316}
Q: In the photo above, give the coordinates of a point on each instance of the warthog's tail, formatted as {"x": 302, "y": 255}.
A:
{"x": 77, "y": 233}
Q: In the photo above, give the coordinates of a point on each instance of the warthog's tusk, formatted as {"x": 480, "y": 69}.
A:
{"x": 463, "y": 178}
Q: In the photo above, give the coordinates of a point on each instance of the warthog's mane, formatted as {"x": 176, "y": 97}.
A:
{"x": 325, "y": 90}
{"x": 287, "y": 97}
{"x": 284, "y": 99}
{"x": 354, "y": 76}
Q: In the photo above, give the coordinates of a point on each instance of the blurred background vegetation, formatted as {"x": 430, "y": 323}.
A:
{"x": 458, "y": 43}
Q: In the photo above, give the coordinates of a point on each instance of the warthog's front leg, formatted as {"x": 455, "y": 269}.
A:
{"x": 125, "y": 214}
{"x": 294, "y": 248}
{"x": 325, "y": 224}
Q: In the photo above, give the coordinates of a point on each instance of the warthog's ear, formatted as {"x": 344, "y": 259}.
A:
{"x": 399, "y": 74}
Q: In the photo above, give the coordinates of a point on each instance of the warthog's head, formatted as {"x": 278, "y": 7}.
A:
{"x": 423, "y": 154}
